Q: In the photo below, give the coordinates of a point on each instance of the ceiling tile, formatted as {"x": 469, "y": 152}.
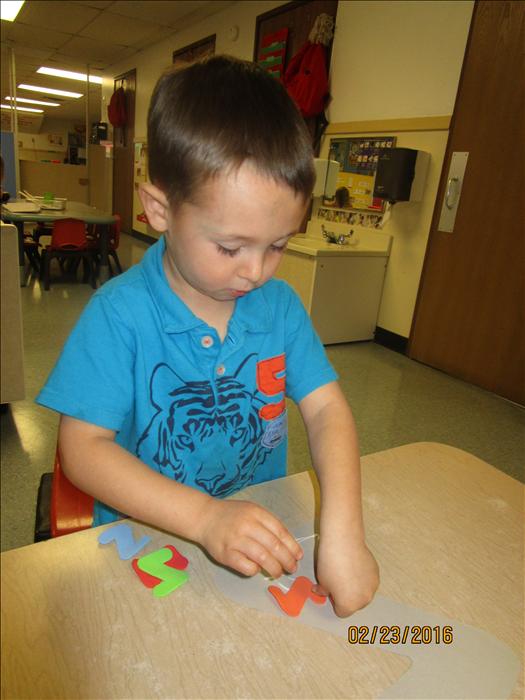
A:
{"x": 34, "y": 36}
{"x": 99, "y": 4}
{"x": 116, "y": 29}
{"x": 23, "y": 53}
{"x": 89, "y": 50}
{"x": 68, "y": 16}
{"x": 69, "y": 63}
{"x": 164, "y": 12}
{"x": 159, "y": 35}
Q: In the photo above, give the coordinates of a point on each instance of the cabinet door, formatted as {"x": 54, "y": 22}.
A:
{"x": 346, "y": 297}
{"x": 299, "y": 271}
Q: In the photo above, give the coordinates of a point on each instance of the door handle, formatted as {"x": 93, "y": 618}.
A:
{"x": 450, "y": 204}
{"x": 451, "y": 196}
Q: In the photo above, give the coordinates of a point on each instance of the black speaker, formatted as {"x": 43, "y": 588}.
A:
{"x": 395, "y": 172}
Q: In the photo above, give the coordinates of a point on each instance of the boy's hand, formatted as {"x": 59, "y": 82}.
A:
{"x": 248, "y": 538}
{"x": 348, "y": 573}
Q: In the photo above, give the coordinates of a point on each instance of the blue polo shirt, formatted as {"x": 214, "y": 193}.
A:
{"x": 207, "y": 413}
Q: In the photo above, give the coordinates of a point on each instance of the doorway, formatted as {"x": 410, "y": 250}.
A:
{"x": 469, "y": 318}
{"x": 123, "y": 154}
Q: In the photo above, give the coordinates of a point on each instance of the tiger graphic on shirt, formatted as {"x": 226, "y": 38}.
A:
{"x": 213, "y": 435}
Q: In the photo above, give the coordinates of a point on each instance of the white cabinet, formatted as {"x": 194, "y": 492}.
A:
{"x": 341, "y": 289}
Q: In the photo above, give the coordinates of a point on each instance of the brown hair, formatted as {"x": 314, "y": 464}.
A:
{"x": 212, "y": 116}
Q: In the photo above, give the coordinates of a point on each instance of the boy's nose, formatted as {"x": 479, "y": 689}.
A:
{"x": 252, "y": 269}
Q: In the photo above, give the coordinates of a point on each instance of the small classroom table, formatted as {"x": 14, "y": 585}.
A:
{"x": 77, "y": 622}
{"x": 73, "y": 210}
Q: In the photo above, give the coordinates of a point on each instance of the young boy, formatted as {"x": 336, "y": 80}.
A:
{"x": 172, "y": 385}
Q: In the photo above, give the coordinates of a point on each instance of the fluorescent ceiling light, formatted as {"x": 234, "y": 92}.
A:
{"x": 10, "y": 8}
{"x": 32, "y": 102}
{"x": 22, "y": 109}
{"x": 71, "y": 75}
{"x": 49, "y": 91}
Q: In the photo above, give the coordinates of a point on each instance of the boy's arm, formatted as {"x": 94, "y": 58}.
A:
{"x": 345, "y": 567}
{"x": 241, "y": 535}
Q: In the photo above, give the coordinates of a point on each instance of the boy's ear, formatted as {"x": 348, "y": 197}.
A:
{"x": 156, "y": 206}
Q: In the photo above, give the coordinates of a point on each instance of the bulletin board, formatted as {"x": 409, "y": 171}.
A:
{"x": 357, "y": 158}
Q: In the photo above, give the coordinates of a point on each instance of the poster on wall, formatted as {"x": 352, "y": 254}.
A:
{"x": 357, "y": 158}
{"x": 272, "y": 53}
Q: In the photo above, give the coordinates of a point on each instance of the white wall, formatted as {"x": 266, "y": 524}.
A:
{"x": 397, "y": 58}
{"x": 391, "y": 59}
{"x": 152, "y": 62}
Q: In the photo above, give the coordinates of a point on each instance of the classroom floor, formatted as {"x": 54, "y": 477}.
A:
{"x": 394, "y": 399}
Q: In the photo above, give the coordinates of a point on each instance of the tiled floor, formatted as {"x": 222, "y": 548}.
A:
{"x": 395, "y": 401}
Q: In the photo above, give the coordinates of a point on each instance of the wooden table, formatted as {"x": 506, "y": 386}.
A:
{"x": 73, "y": 210}
{"x": 77, "y": 622}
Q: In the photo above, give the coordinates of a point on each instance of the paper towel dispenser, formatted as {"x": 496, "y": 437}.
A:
{"x": 401, "y": 174}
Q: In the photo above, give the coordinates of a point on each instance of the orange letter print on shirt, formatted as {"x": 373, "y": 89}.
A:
{"x": 270, "y": 384}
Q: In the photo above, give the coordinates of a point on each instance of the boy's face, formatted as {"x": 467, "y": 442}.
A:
{"x": 232, "y": 238}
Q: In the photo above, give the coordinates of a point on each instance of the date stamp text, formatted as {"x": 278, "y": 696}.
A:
{"x": 394, "y": 634}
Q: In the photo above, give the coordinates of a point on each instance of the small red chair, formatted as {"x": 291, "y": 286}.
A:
{"x": 113, "y": 243}
{"x": 71, "y": 509}
{"x": 69, "y": 240}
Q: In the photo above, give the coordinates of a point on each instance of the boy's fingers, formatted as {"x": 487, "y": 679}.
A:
{"x": 277, "y": 549}
{"x": 255, "y": 550}
{"x": 278, "y": 529}
{"x": 240, "y": 562}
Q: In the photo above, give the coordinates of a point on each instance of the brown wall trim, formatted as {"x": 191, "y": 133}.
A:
{"x": 391, "y": 125}
{"x": 390, "y": 340}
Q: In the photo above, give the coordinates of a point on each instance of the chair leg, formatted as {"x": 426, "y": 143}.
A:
{"x": 92, "y": 260}
{"x": 87, "y": 269}
{"x": 90, "y": 270}
{"x": 114, "y": 255}
{"x": 45, "y": 268}
{"x": 34, "y": 259}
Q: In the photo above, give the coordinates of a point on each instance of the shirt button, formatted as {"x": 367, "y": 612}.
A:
{"x": 221, "y": 369}
{"x": 206, "y": 341}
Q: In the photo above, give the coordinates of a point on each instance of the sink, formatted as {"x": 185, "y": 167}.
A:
{"x": 368, "y": 243}
{"x": 352, "y": 275}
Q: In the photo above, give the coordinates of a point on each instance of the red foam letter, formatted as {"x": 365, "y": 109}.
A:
{"x": 293, "y": 602}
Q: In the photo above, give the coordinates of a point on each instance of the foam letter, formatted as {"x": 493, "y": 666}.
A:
{"x": 155, "y": 564}
{"x": 122, "y": 535}
{"x": 293, "y": 602}
{"x": 177, "y": 561}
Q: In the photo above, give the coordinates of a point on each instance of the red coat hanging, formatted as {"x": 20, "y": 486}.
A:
{"x": 117, "y": 108}
{"x": 306, "y": 79}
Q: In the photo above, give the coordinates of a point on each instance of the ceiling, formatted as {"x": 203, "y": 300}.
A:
{"x": 71, "y": 34}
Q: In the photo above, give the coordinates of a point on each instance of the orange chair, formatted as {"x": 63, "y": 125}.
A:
{"x": 113, "y": 243}
{"x": 69, "y": 240}
{"x": 71, "y": 509}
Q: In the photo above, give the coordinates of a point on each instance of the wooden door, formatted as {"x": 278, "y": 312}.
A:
{"x": 470, "y": 308}
{"x": 194, "y": 52}
{"x": 123, "y": 155}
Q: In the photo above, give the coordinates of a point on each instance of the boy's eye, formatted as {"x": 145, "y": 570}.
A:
{"x": 231, "y": 252}
{"x": 227, "y": 251}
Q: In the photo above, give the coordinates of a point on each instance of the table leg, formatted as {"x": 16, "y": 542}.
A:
{"x": 103, "y": 274}
{"x": 21, "y": 261}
